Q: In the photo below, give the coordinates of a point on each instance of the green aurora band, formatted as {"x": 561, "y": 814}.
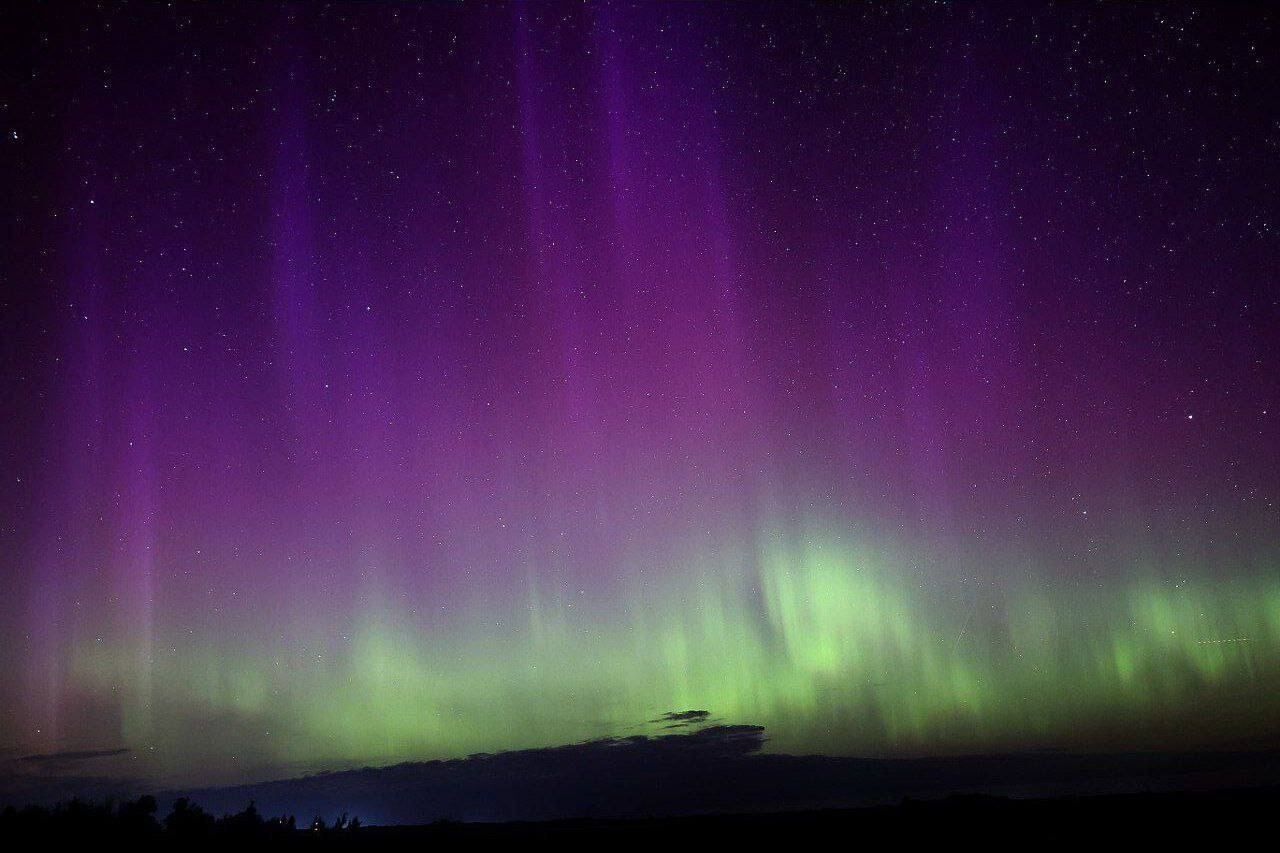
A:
{"x": 831, "y": 644}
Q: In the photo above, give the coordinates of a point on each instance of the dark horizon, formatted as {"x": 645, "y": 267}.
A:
{"x": 706, "y": 769}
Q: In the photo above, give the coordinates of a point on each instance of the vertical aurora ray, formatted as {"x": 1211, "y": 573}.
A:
{"x": 408, "y": 382}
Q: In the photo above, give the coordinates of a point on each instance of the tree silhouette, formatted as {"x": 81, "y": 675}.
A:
{"x": 138, "y": 817}
{"x": 188, "y": 820}
{"x": 135, "y": 821}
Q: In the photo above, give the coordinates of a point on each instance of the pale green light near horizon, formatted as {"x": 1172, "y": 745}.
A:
{"x": 829, "y": 644}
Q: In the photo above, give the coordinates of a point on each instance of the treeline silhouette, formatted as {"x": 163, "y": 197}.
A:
{"x": 137, "y": 821}
{"x": 1141, "y": 820}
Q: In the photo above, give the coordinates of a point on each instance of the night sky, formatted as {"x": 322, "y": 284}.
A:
{"x": 383, "y": 382}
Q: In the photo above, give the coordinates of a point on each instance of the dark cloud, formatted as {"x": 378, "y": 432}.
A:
{"x": 91, "y": 774}
{"x": 682, "y": 716}
{"x": 75, "y": 755}
{"x": 682, "y": 719}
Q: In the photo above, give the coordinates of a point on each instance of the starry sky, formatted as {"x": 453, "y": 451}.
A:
{"x": 394, "y": 381}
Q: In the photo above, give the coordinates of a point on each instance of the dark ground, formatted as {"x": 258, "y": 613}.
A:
{"x": 1227, "y": 820}
{"x": 964, "y": 820}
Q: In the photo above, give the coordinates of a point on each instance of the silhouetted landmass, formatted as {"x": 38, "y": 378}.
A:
{"x": 962, "y": 819}
{"x": 669, "y": 787}
{"x": 717, "y": 771}
{"x": 136, "y": 822}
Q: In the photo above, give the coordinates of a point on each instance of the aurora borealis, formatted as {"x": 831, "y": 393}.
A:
{"x": 393, "y": 381}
